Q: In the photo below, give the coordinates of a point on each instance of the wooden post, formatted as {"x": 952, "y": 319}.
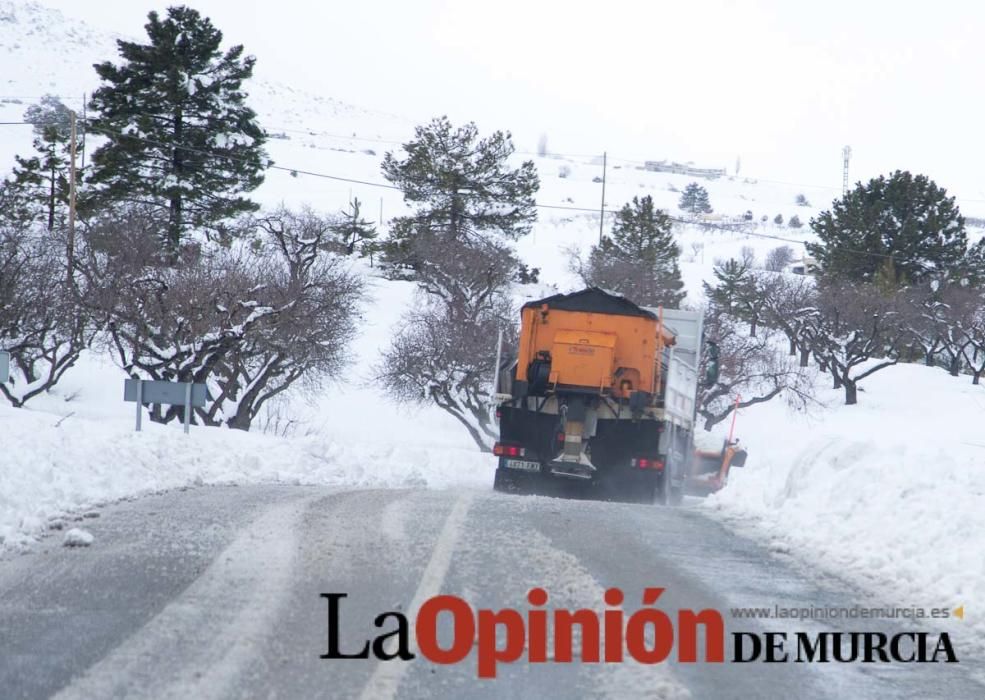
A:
{"x": 85, "y": 123}
{"x": 71, "y": 206}
{"x": 602, "y": 207}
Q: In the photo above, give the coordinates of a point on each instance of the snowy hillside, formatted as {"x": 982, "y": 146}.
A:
{"x": 825, "y": 483}
{"x": 888, "y": 492}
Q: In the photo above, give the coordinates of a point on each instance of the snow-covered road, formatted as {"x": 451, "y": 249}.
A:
{"x": 215, "y": 592}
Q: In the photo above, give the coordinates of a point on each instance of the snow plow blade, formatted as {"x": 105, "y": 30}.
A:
{"x": 710, "y": 469}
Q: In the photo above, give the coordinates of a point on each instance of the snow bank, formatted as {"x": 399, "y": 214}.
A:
{"x": 48, "y": 469}
{"x": 888, "y": 492}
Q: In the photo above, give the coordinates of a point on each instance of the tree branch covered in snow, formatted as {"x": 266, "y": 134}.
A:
{"x": 446, "y": 354}
{"x": 248, "y": 323}
{"x": 854, "y": 324}
{"x": 753, "y": 367}
{"x": 40, "y": 324}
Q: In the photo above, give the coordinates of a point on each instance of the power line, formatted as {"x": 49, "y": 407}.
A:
{"x": 596, "y": 156}
{"x": 737, "y": 228}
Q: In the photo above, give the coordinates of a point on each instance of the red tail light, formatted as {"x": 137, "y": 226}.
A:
{"x": 501, "y": 450}
{"x": 647, "y": 463}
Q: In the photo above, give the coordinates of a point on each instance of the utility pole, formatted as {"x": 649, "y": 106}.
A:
{"x": 602, "y": 208}
{"x": 71, "y": 205}
{"x": 846, "y": 153}
{"x": 85, "y": 122}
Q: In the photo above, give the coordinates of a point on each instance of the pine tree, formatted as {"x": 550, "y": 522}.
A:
{"x": 39, "y": 187}
{"x": 973, "y": 266}
{"x": 639, "y": 259}
{"x": 459, "y": 185}
{"x": 795, "y": 222}
{"x": 694, "y": 200}
{"x": 734, "y": 282}
{"x": 353, "y": 229}
{"x": 180, "y": 135}
{"x": 739, "y": 292}
{"x": 778, "y": 220}
{"x": 904, "y": 217}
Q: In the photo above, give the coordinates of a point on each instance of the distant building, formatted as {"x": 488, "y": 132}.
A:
{"x": 663, "y": 166}
{"x": 805, "y": 266}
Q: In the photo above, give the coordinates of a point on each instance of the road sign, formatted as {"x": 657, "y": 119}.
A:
{"x": 4, "y": 366}
{"x": 144, "y": 391}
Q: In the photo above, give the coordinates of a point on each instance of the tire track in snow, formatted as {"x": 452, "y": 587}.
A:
{"x": 385, "y": 681}
{"x": 209, "y": 634}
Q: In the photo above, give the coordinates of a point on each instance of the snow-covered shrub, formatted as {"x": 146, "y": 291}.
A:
{"x": 445, "y": 351}
{"x": 41, "y": 326}
{"x": 753, "y": 368}
{"x": 248, "y": 321}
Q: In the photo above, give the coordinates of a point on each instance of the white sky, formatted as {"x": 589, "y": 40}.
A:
{"x": 783, "y": 84}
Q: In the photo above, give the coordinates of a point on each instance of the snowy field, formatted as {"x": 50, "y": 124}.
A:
{"x": 886, "y": 491}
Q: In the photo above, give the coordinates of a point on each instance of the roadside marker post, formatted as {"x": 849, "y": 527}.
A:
{"x": 140, "y": 401}
{"x": 4, "y": 366}
{"x": 188, "y": 405}
{"x": 187, "y": 394}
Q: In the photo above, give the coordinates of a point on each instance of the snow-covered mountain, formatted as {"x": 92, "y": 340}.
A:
{"x": 60, "y": 457}
{"x": 43, "y": 51}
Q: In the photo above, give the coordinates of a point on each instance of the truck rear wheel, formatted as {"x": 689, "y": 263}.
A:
{"x": 508, "y": 481}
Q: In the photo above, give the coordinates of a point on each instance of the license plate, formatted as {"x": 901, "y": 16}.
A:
{"x": 523, "y": 465}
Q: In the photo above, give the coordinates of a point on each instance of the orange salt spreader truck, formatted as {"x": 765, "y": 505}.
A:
{"x": 603, "y": 393}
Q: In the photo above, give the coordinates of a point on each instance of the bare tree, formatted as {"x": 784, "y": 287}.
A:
{"x": 751, "y": 367}
{"x": 924, "y": 321}
{"x": 445, "y": 354}
{"x": 445, "y": 351}
{"x": 748, "y": 256}
{"x": 947, "y": 321}
{"x": 790, "y": 306}
{"x": 304, "y": 343}
{"x": 248, "y": 322}
{"x": 778, "y": 258}
{"x": 858, "y": 332}
{"x": 466, "y": 274}
{"x": 974, "y": 354}
{"x": 956, "y": 308}
{"x": 41, "y": 326}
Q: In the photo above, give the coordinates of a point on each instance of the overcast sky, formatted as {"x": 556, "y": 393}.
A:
{"x": 782, "y": 84}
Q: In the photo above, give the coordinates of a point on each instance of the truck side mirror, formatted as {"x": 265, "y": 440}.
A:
{"x": 711, "y": 365}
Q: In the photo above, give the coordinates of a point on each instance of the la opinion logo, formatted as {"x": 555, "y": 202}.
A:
{"x": 482, "y": 629}
{"x": 647, "y": 636}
